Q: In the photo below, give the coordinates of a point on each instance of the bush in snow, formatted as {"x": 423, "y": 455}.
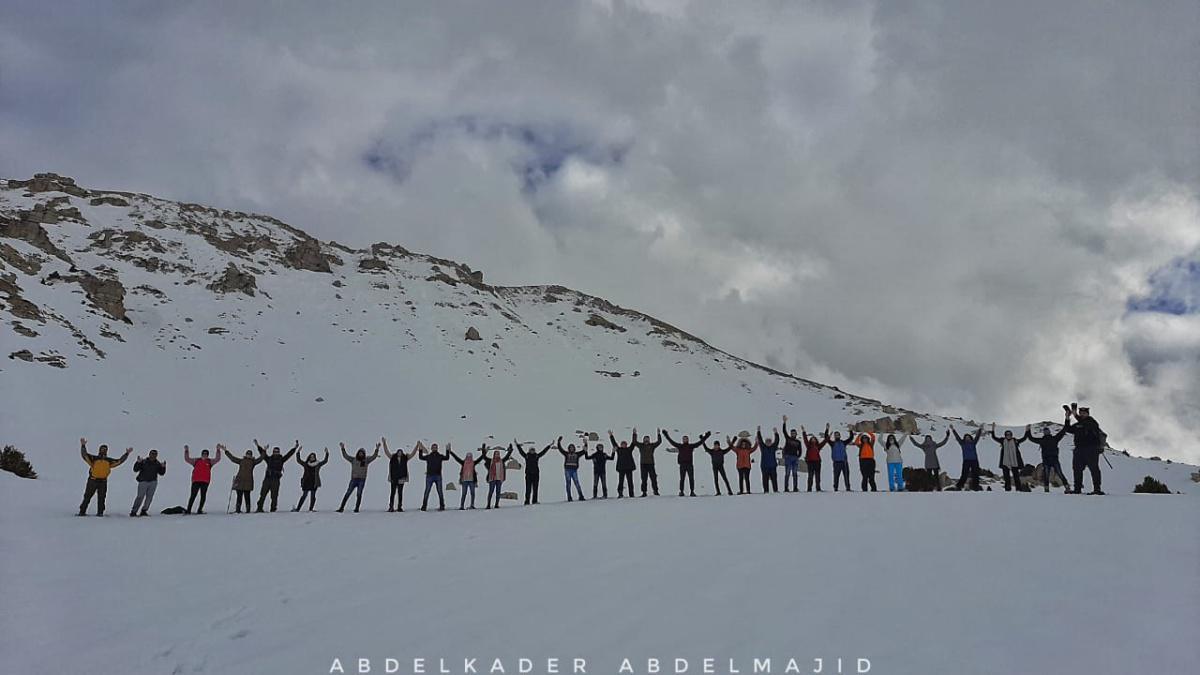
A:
{"x": 1151, "y": 486}
{"x": 13, "y": 461}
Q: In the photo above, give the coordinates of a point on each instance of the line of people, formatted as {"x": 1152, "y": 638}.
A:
{"x": 793, "y": 446}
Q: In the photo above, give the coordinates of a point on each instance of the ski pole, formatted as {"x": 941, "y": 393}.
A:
{"x": 1106, "y": 459}
{"x": 229, "y": 502}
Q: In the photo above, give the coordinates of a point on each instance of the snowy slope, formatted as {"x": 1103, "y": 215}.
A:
{"x": 376, "y": 346}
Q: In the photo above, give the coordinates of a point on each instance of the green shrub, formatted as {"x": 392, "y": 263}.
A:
{"x": 13, "y": 461}
{"x": 1151, "y": 486}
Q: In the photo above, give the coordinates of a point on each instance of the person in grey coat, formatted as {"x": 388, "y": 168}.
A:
{"x": 243, "y": 480}
{"x": 358, "y": 474}
{"x": 930, "y": 448}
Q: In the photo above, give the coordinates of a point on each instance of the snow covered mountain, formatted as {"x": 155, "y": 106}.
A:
{"x": 145, "y": 322}
{"x": 141, "y": 322}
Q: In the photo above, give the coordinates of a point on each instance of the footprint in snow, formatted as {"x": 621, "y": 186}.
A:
{"x": 240, "y": 634}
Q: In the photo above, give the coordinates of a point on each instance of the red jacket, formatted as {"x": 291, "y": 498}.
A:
{"x": 201, "y": 467}
{"x": 813, "y": 449}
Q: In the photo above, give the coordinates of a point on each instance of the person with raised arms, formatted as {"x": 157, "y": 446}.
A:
{"x": 397, "y": 476}
{"x": 100, "y": 466}
{"x": 358, "y": 474}
{"x": 743, "y": 450}
{"x": 1011, "y": 461}
{"x": 793, "y": 450}
{"x": 812, "y": 456}
{"x": 646, "y": 461}
{"x": 933, "y": 468}
{"x": 201, "y": 475}
{"x": 571, "y": 457}
{"x": 686, "y": 450}
{"x": 433, "y": 473}
{"x": 841, "y": 461}
{"x": 1090, "y": 442}
{"x": 270, "y": 484}
{"x": 625, "y": 463}
{"x": 894, "y": 456}
{"x": 600, "y": 469}
{"x": 1048, "y": 442}
{"x": 533, "y": 474}
{"x": 970, "y": 459}
{"x": 717, "y": 454}
{"x": 310, "y": 478}
{"x": 467, "y": 477}
{"x": 243, "y": 480}
{"x": 866, "y": 459}
{"x": 770, "y": 461}
{"x": 496, "y": 473}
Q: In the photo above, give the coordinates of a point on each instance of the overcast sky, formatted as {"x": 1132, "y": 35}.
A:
{"x": 984, "y": 209}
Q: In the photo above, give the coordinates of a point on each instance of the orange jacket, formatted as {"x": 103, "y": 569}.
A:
{"x": 866, "y": 445}
{"x": 743, "y": 456}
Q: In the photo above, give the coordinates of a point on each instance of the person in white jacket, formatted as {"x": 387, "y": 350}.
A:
{"x": 895, "y": 462}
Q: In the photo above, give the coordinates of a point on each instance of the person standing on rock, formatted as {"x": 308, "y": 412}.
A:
{"x": 841, "y": 460}
{"x": 201, "y": 475}
{"x": 646, "y": 460}
{"x": 100, "y": 466}
{"x": 467, "y": 477}
{"x": 1089, "y": 445}
{"x": 717, "y": 454}
{"x": 1048, "y": 442}
{"x": 625, "y": 464}
{"x": 358, "y": 474}
{"x": 933, "y": 468}
{"x": 310, "y": 479}
{"x": 812, "y": 456}
{"x": 599, "y": 469}
{"x": 243, "y": 481}
{"x": 533, "y": 474}
{"x": 687, "y": 465}
{"x": 397, "y": 475}
{"x": 148, "y": 470}
{"x": 1011, "y": 461}
{"x": 743, "y": 450}
{"x": 866, "y": 460}
{"x": 893, "y": 455}
{"x": 496, "y": 473}
{"x": 270, "y": 484}
{"x": 571, "y": 458}
{"x": 970, "y": 459}
{"x": 793, "y": 450}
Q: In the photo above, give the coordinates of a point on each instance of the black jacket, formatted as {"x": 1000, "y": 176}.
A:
{"x": 275, "y": 462}
{"x": 1087, "y": 433}
{"x": 532, "y": 457}
{"x": 311, "y": 478}
{"x": 148, "y": 470}
{"x": 433, "y": 462}
{"x": 686, "y": 450}
{"x": 624, "y": 455}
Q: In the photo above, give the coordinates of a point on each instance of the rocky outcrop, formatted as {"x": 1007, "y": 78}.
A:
{"x": 369, "y": 264}
{"x": 904, "y": 424}
{"x": 54, "y": 211}
{"x": 24, "y": 355}
{"x": 10, "y": 296}
{"x": 27, "y": 264}
{"x": 32, "y": 233}
{"x": 109, "y": 200}
{"x": 106, "y": 294}
{"x": 306, "y": 255}
{"x": 597, "y": 320}
{"x": 233, "y": 280}
{"x": 473, "y": 334}
{"x": 50, "y": 182}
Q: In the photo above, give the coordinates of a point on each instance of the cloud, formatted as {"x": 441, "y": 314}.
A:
{"x": 955, "y": 207}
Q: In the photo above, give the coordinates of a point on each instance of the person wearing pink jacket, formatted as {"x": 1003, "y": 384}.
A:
{"x": 201, "y": 474}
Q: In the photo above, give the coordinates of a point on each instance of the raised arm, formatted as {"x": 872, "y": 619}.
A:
{"x": 558, "y": 444}
{"x": 261, "y": 448}
{"x": 187, "y": 457}
{"x": 387, "y": 453}
{"x": 375, "y": 455}
{"x": 454, "y": 456}
{"x": 785, "y": 429}
{"x": 703, "y": 437}
{"x": 345, "y": 455}
{"x": 121, "y": 460}
{"x": 996, "y": 438}
{"x": 296, "y": 448}
{"x": 945, "y": 439}
{"x": 670, "y": 440}
{"x": 545, "y": 450}
{"x": 233, "y": 459}
{"x": 955, "y": 432}
{"x": 612, "y": 440}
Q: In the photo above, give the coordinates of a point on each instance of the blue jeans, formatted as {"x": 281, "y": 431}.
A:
{"x": 791, "y": 469}
{"x": 896, "y": 476}
{"x": 572, "y": 476}
{"x": 430, "y": 481}
{"x": 494, "y": 489}
{"x": 462, "y": 499}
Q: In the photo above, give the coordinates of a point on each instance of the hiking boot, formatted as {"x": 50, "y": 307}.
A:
{"x": 681, "y": 493}
{"x": 81, "y": 513}
{"x": 1045, "y": 488}
{"x": 580, "y": 499}
{"x": 692, "y": 494}
{"x": 341, "y": 509}
{"x": 569, "y": 498}
{"x": 133, "y": 514}
{"x": 1096, "y": 492}
{"x": 144, "y": 513}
